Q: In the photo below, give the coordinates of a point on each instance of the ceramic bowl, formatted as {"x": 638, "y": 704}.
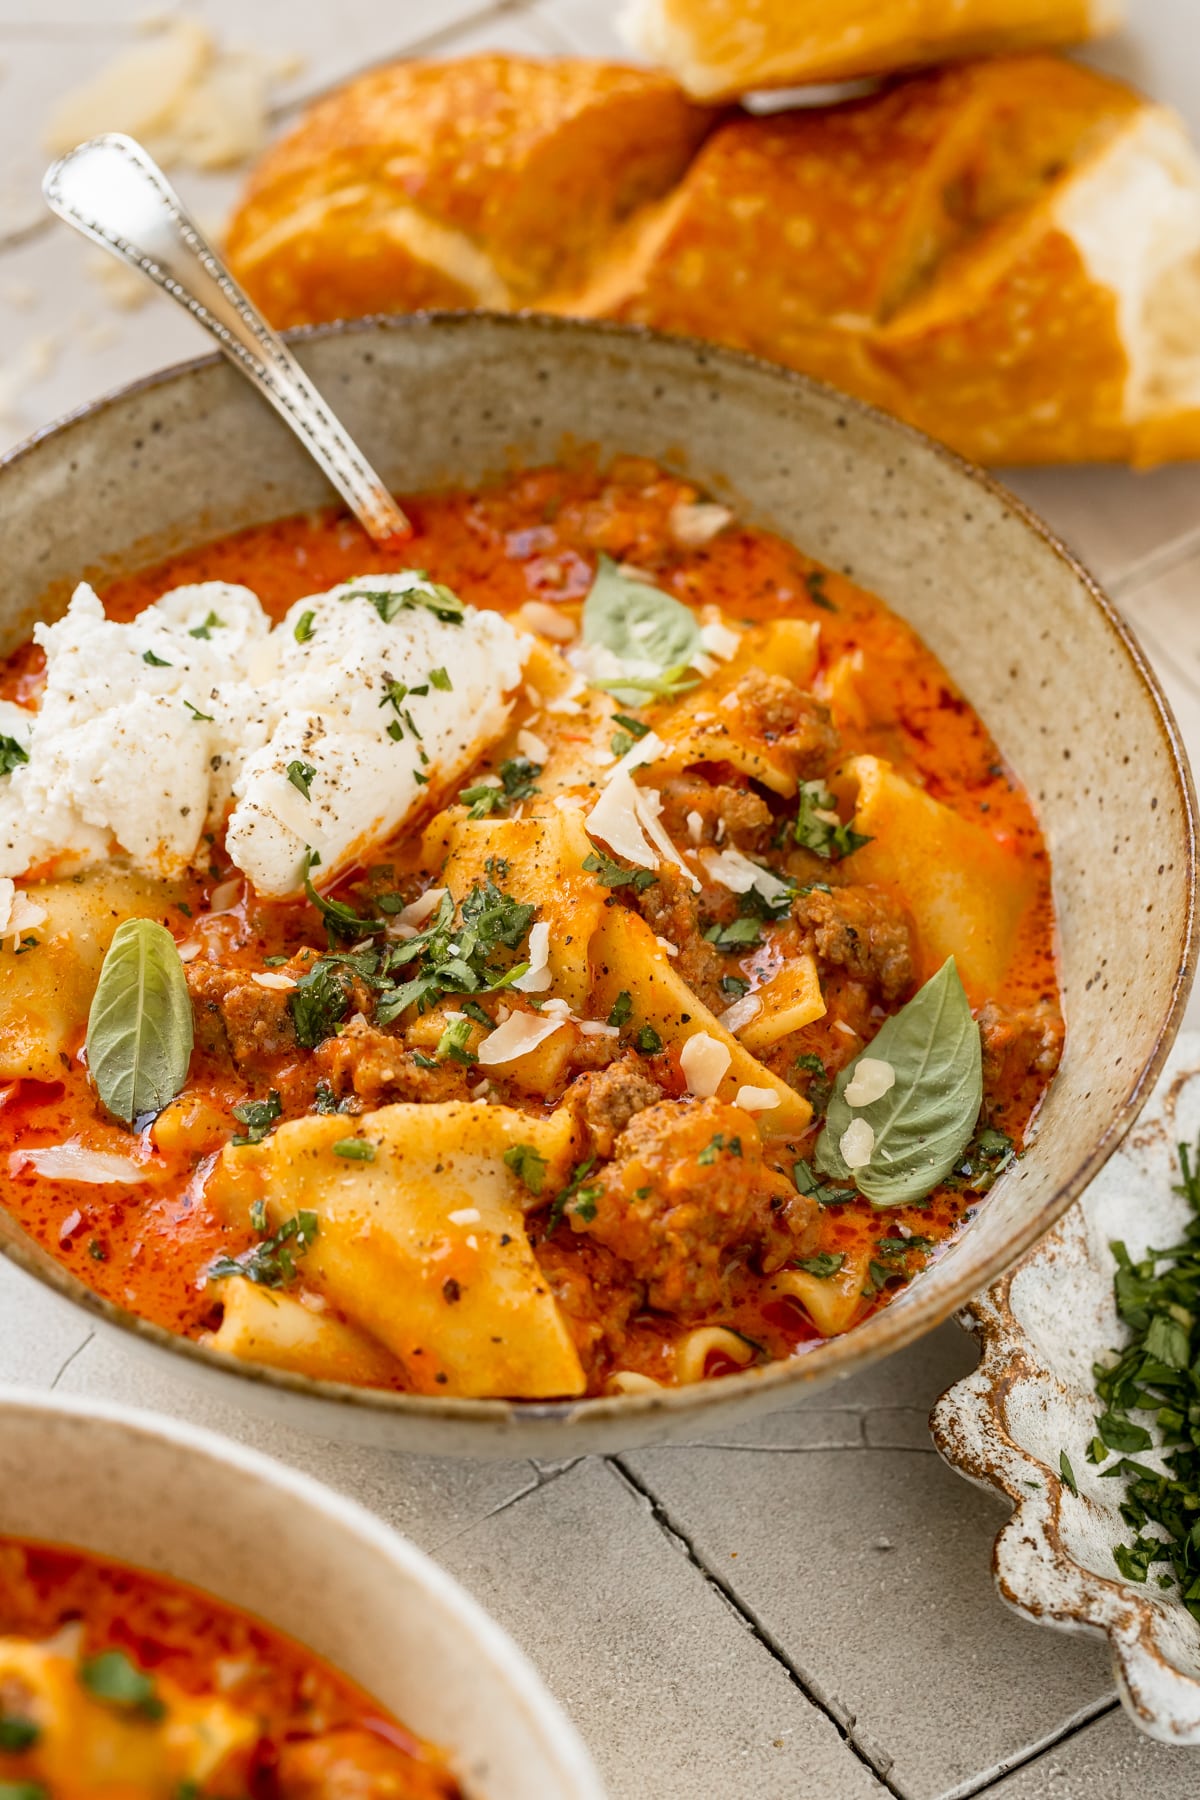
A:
{"x": 1041, "y": 1329}
{"x": 1028, "y": 636}
{"x": 186, "y": 1503}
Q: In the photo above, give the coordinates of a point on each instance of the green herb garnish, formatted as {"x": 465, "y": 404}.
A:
{"x": 354, "y": 1149}
{"x": 302, "y": 630}
{"x": 300, "y": 775}
{"x": 518, "y": 777}
{"x": 612, "y": 874}
{"x": 823, "y": 1265}
{"x": 818, "y": 828}
{"x": 11, "y": 753}
{"x": 580, "y": 1199}
{"x": 271, "y": 1263}
{"x": 257, "y": 1116}
{"x": 156, "y": 662}
{"x": 115, "y": 1679}
{"x": 528, "y": 1165}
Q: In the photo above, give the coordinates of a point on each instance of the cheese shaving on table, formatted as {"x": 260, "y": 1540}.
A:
{"x": 325, "y": 732}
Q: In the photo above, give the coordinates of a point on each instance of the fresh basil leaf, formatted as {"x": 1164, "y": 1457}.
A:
{"x": 638, "y": 623}
{"x": 139, "y": 1034}
{"x": 925, "y": 1121}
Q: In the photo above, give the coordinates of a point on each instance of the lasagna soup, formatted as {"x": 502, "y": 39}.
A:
{"x": 118, "y": 1683}
{"x": 605, "y": 951}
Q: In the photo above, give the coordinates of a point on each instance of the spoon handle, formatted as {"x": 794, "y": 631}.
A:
{"x": 112, "y": 191}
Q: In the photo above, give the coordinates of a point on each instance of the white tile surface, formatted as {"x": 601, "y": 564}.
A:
{"x": 719, "y": 1669}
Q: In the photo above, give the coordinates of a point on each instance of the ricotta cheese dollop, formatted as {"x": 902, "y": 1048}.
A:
{"x": 325, "y": 732}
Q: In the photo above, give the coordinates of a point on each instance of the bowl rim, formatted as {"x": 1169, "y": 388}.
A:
{"x": 893, "y": 1327}
{"x": 488, "y": 1639}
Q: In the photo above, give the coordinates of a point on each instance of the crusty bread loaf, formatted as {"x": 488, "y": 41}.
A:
{"x": 1006, "y": 253}
{"x": 718, "y": 49}
{"x": 478, "y": 182}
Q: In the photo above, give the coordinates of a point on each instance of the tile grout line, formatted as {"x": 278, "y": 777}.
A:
{"x": 969, "y": 1791}
{"x": 758, "y": 1631}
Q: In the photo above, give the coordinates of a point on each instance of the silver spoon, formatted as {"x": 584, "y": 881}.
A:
{"x": 113, "y": 192}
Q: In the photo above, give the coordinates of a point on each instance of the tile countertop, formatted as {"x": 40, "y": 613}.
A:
{"x": 801, "y": 1610}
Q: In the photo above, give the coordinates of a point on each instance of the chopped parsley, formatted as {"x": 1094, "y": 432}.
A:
{"x": 740, "y": 934}
{"x": 17, "y": 1733}
{"x": 456, "y": 955}
{"x": 320, "y": 1001}
{"x": 211, "y": 624}
{"x": 302, "y": 630}
{"x": 735, "y": 987}
{"x": 814, "y": 582}
{"x": 648, "y": 1041}
{"x": 11, "y": 753}
{"x": 355, "y": 1149}
{"x": 116, "y": 1680}
{"x": 612, "y": 874}
{"x": 257, "y": 1116}
{"x": 439, "y": 679}
{"x": 716, "y": 1144}
{"x": 528, "y": 1165}
{"x": 204, "y": 718}
{"x": 576, "y": 1197}
{"x": 341, "y": 921}
{"x": 818, "y": 828}
{"x": 518, "y": 778}
{"x": 430, "y": 596}
{"x": 622, "y": 1009}
{"x": 985, "y": 1157}
{"x": 821, "y": 1085}
{"x": 300, "y": 775}
{"x": 156, "y": 662}
{"x": 823, "y": 1265}
{"x": 622, "y": 741}
{"x": 271, "y": 1263}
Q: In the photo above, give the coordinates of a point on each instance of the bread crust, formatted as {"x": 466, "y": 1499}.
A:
{"x": 475, "y": 182}
{"x": 969, "y": 248}
{"x": 718, "y": 49}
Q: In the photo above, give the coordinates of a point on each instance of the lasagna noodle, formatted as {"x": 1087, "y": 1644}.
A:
{"x": 46, "y": 991}
{"x": 84, "y": 1744}
{"x": 544, "y": 857}
{"x": 626, "y": 956}
{"x": 717, "y": 724}
{"x": 423, "y": 1245}
{"x": 261, "y": 1325}
{"x": 966, "y": 892}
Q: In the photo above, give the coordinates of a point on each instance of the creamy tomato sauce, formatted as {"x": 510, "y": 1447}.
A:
{"x": 90, "y": 1647}
{"x": 537, "y": 536}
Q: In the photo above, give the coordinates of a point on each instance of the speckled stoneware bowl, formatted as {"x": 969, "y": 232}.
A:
{"x": 1027, "y": 635}
{"x": 185, "y": 1503}
{"x": 1041, "y": 1329}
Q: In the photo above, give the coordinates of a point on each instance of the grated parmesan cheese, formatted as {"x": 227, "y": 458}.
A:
{"x": 871, "y": 1080}
{"x": 857, "y": 1144}
{"x": 704, "y": 1061}
{"x": 520, "y": 1033}
{"x": 756, "y": 1099}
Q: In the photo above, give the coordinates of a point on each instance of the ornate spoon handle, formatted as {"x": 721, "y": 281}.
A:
{"x": 113, "y": 192}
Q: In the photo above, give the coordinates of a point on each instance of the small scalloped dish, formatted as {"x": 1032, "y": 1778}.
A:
{"x": 1041, "y": 1328}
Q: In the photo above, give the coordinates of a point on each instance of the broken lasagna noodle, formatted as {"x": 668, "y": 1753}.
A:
{"x": 112, "y": 1680}
{"x": 547, "y": 1095}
